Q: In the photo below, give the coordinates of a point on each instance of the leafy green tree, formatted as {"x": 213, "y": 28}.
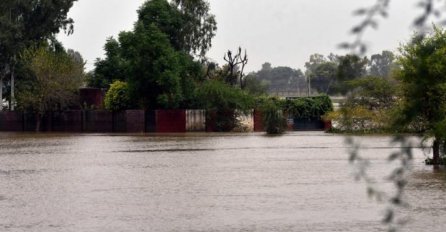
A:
{"x": 350, "y": 67}
{"x": 112, "y": 68}
{"x": 156, "y": 58}
{"x": 191, "y": 76}
{"x": 321, "y": 72}
{"x": 280, "y": 79}
{"x": 27, "y": 23}
{"x": 153, "y": 72}
{"x": 255, "y": 86}
{"x": 225, "y": 101}
{"x": 199, "y": 25}
{"x": 374, "y": 92}
{"x": 57, "y": 77}
{"x": 117, "y": 97}
{"x": 188, "y": 23}
{"x": 423, "y": 83}
{"x": 381, "y": 65}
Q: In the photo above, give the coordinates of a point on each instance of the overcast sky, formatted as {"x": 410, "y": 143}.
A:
{"x": 282, "y": 32}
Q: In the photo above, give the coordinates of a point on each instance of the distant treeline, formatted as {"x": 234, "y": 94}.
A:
{"x": 324, "y": 74}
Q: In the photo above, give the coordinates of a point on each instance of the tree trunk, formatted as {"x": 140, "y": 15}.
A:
{"x": 11, "y": 106}
{"x": 436, "y": 149}
{"x": 38, "y": 122}
{"x": 1, "y": 94}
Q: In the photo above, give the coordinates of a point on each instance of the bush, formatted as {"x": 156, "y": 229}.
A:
{"x": 225, "y": 102}
{"x": 117, "y": 97}
{"x": 273, "y": 118}
{"x": 308, "y": 107}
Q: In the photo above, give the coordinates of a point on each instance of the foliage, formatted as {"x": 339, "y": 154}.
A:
{"x": 424, "y": 86}
{"x": 373, "y": 92}
{"x": 381, "y": 65}
{"x": 153, "y": 72}
{"x": 225, "y": 102}
{"x": 199, "y": 26}
{"x": 111, "y": 68}
{"x": 321, "y": 72}
{"x": 308, "y": 107}
{"x": 187, "y": 23}
{"x": 24, "y": 23}
{"x": 117, "y": 97}
{"x": 369, "y": 107}
{"x": 280, "y": 79}
{"x": 358, "y": 118}
{"x": 155, "y": 58}
{"x": 370, "y": 17}
{"x": 57, "y": 78}
{"x": 218, "y": 95}
{"x": 191, "y": 76}
{"x": 28, "y": 23}
{"x": 255, "y": 86}
{"x": 273, "y": 117}
{"x": 350, "y": 67}
{"x": 236, "y": 65}
{"x": 274, "y": 110}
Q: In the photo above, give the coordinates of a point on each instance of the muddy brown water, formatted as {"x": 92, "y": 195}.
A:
{"x": 203, "y": 182}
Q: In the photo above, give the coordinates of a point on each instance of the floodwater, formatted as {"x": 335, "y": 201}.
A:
{"x": 203, "y": 182}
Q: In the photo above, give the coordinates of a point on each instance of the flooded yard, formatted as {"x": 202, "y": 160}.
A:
{"x": 301, "y": 181}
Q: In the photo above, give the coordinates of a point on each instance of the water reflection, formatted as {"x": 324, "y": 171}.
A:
{"x": 200, "y": 182}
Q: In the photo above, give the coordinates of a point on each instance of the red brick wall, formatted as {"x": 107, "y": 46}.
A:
{"x": 258, "y": 121}
{"x": 327, "y": 125}
{"x": 211, "y": 125}
{"x": 170, "y": 121}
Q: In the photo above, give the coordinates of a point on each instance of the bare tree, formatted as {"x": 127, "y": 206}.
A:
{"x": 236, "y": 64}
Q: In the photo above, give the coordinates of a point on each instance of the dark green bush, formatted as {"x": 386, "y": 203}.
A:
{"x": 308, "y": 107}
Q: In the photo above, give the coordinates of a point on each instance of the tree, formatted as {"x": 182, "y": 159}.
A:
{"x": 375, "y": 93}
{"x": 153, "y": 71}
{"x": 199, "y": 27}
{"x": 236, "y": 66}
{"x": 350, "y": 67}
{"x": 424, "y": 87}
{"x": 188, "y": 23}
{"x": 225, "y": 101}
{"x": 321, "y": 72}
{"x": 280, "y": 79}
{"x": 111, "y": 68}
{"x": 156, "y": 58}
{"x": 381, "y": 65}
{"x": 26, "y": 23}
{"x": 57, "y": 78}
{"x": 255, "y": 86}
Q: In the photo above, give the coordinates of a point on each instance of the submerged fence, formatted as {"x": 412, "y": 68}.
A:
{"x": 136, "y": 121}
{"x": 101, "y": 121}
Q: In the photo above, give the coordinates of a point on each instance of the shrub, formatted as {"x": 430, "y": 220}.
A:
{"x": 225, "y": 102}
{"x": 273, "y": 118}
{"x": 117, "y": 97}
{"x": 308, "y": 107}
